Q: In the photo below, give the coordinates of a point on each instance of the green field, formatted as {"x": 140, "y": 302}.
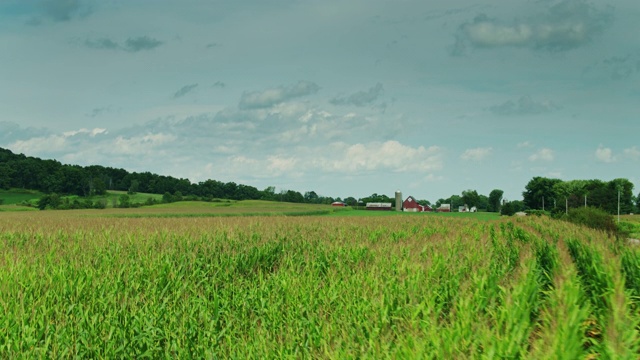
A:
{"x": 85, "y": 284}
{"x": 16, "y": 196}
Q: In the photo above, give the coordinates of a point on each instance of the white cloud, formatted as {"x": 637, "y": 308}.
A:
{"x": 90, "y": 132}
{"x": 280, "y": 164}
{"x": 274, "y": 96}
{"x": 138, "y": 145}
{"x": 544, "y": 154}
{"x": 375, "y": 156}
{"x": 605, "y": 155}
{"x": 567, "y": 25}
{"x": 40, "y": 145}
{"x": 476, "y": 154}
{"x": 524, "y": 144}
{"x": 633, "y": 153}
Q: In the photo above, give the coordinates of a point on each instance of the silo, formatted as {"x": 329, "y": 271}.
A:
{"x": 398, "y": 201}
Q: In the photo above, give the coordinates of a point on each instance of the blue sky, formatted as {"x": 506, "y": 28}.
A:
{"x": 345, "y": 98}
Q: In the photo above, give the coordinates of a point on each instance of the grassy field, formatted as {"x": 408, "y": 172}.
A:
{"x": 16, "y": 196}
{"x": 83, "y": 284}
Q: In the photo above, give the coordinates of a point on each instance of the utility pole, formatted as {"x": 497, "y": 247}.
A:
{"x": 543, "y": 203}
{"x": 618, "y": 205}
{"x": 566, "y": 205}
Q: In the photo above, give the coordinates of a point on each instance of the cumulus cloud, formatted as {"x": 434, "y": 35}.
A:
{"x": 68, "y": 141}
{"x": 40, "y": 145}
{"x": 270, "y": 97}
{"x": 544, "y": 154}
{"x": 281, "y": 164}
{"x": 566, "y": 25}
{"x": 184, "y": 90}
{"x": 134, "y": 44}
{"x": 360, "y": 98}
{"x": 274, "y": 96}
{"x": 604, "y": 154}
{"x": 524, "y": 106}
{"x": 374, "y": 156}
{"x": 633, "y": 153}
{"x": 476, "y": 154}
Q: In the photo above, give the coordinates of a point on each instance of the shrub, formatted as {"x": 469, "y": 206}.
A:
{"x": 532, "y": 212}
{"x": 592, "y": 217}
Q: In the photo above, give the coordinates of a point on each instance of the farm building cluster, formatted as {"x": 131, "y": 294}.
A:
{"x": 410, "y": 204}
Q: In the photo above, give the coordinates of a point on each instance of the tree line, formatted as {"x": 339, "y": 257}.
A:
{"x": 550, "y": 194}
{"x": 53, "y": 177}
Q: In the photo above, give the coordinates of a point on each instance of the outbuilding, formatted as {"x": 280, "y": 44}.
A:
{"x": 378, "y": 206}
{"x": 338, "y": 204}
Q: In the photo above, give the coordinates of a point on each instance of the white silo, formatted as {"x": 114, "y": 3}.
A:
{"x": 398, "y": 200}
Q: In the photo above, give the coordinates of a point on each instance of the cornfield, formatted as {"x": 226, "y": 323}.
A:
{"x": 77, "y": 286}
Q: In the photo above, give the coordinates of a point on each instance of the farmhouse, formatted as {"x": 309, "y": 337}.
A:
{"x": 378, "y": 206}
{"x": 466, "y": 208}
{"x": 411, "y": 205}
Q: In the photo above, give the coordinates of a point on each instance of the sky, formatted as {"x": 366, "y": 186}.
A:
{"x": 344, "y": 98}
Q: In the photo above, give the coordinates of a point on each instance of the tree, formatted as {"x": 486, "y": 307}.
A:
{"x": 50, "y": 201}
{"x": 471, "y": 198}
{"x": 133, "y": 189}
{"x": 269, "y": 193}
{"x": 511, "y": 207}
{"x": 125, "y": 201}
{"x": 495, "y": 199}
{"x": 455, "y": 201}
{"x": 311, "y": 197}
{"x": 539, "y": 190}
{"x": 351, "y": 201}
{"x": 99, "y": 188}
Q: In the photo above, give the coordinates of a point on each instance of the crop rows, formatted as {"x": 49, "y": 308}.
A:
{"x": 278, "y": 287}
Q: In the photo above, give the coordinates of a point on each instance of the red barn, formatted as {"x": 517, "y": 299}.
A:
{"x": 411, "y": 205}
{"x": 338, "y": 204}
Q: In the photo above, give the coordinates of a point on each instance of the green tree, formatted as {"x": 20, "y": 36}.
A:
{"x": 495, "y": 200}
{"x": 269, "y": 193}
{"x": 125, "y": 201}
{"x": 49, "y": 201}
{"x": 133, "y": 188}
{"x": 351, "y": 201}
{"x": 311, "y": 197}
{"x": 99, "y": 187}
{"x": 539, "y": 190}
{"x": 471, "y": 198}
